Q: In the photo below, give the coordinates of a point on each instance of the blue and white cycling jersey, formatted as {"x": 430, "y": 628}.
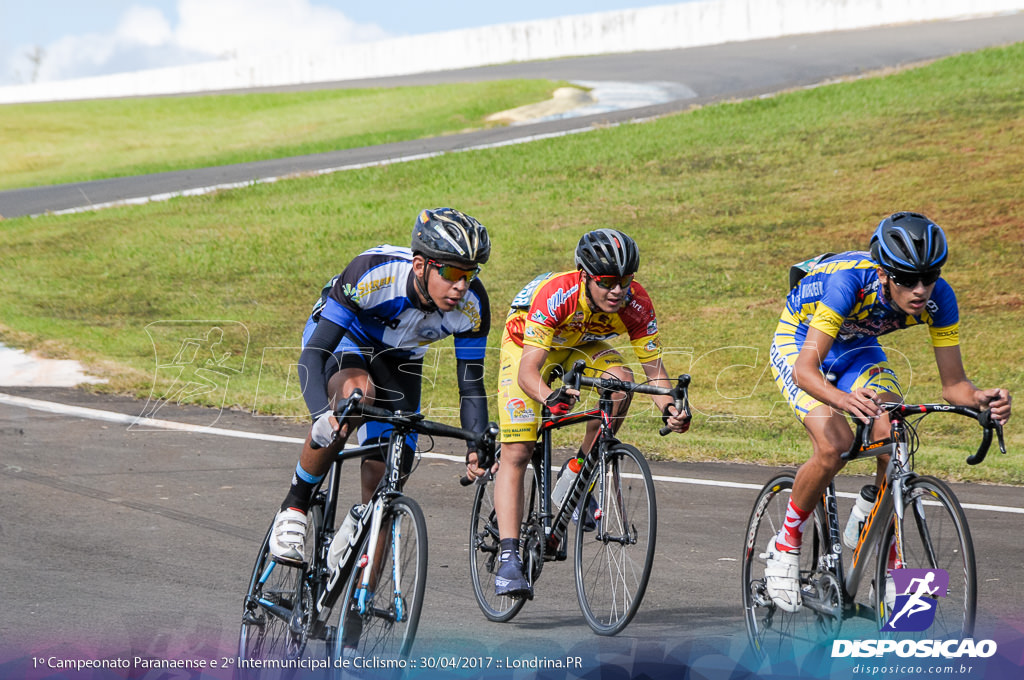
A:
{"x": 375, "y": 301}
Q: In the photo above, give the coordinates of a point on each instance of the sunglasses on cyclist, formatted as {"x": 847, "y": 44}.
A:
{"x": 609, "y": 281}
{"x": 910, "y": 279}
{"x": 454, "y": 274}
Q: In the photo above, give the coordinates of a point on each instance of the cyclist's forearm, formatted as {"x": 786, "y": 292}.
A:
{"x": 473, "y": 396}
{"x": 314, "y": 357}
{"x": 529, "y": 377}
{"x": 658, "y": 376}
{"x": 964, "y": 393}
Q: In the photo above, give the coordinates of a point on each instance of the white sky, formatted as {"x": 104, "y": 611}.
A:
{"x": 78, "y": 38}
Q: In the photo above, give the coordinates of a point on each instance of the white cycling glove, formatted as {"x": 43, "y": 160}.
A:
{"x": 323, "y": 431}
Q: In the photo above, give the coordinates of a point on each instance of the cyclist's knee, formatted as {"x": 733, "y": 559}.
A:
{"x": 516, "y": 454}
{"x": 827, "y": 458}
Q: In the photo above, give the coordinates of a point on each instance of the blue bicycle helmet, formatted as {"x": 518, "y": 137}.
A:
{"x": 909, "y": 242}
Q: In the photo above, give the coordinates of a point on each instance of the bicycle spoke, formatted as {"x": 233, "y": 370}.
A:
{"x": 613, "y": 564}
{"x": 485, "y": 547}
{"x": 935, "y": 536}
{"x": 277, "y": 607}
{"x": 381, "y": 620}
{"x": 774, "y": 633}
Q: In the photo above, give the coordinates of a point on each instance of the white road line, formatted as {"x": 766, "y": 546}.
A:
{"x": 199, "y": 191}
{"x": 113, "y": 417}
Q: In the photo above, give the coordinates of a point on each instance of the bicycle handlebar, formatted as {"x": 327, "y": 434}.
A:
{"x": 485, "y": 442}
{"x": 862, "y": 443}
{"x": 680, "y": 393}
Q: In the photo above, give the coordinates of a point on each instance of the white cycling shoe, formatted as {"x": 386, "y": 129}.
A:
{"x": 782, "y": 577}
{"x": 288, "y": 539}
{"x": 890, "y": 594}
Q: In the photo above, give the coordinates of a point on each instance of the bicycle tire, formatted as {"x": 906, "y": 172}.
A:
{"x": 936, "y": 536}
{"x": 277, "y": 593}
{"x": 613, "y": 563}
{"x": 485, "y": 548}
{"x": 772, "y": 632}
{"x": 386, "y": 628}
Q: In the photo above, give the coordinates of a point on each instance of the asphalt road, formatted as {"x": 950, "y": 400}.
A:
{"x": 715, "y": 73}
{"x": 119, "y": 542}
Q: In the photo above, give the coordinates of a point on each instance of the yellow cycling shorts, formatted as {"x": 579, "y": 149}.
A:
{"x": 518, "y": 415}
{"x": 849, "y": 365}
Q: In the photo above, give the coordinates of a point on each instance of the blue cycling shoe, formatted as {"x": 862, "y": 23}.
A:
{"x": 509, "y": 581}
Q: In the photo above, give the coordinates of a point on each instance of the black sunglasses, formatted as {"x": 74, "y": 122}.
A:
{"x": 910, "y": 279}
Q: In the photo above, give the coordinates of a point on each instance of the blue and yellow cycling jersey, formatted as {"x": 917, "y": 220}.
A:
{"x": 842, "y": 297}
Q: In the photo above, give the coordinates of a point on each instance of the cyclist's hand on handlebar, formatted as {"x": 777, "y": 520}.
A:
{"x": 674, "y": 420}
{"x": 473, "y": 469}
{"x": 861, "y": 403}
{"x": 561, "y": 401}
{"x": 325, "y": 430}
{"x": 998, "y": 400}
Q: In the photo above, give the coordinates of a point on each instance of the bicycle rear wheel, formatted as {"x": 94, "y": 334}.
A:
{"x": 775, "y": 633}
{"x": 613, "y": 563}
{"x": 275, "y": 614}
{"x": 485, "y": 547}
{"x": 382, "y": 623}
{"x": 935, "y": 536}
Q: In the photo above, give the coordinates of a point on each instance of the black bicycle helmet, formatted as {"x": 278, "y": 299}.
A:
{"x": 908, "y": 242}
{"x": 452, "y": 236}
{"x": 605, "y": 252}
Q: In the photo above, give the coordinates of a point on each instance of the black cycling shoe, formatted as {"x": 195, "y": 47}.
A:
{"x": 510, "y": 581}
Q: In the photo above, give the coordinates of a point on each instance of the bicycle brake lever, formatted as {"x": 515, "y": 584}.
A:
{"x": 572, "y": 378}
{"x": 682, "y": 401}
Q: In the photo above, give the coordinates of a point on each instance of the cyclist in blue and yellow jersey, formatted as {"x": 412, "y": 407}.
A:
{"x": 830, "y": 325}
{"x": 369, "y": 331}
{"x": 555, "y": 320}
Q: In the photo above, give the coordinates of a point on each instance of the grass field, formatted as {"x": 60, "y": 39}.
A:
{"x": 60, "y": 142}
{"x": 721, "y": 200}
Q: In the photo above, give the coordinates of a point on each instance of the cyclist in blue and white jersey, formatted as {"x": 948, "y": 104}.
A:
{"x": 370, "y": 330}
{"x": 831, "y": 324}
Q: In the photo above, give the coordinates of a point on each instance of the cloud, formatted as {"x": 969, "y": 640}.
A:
{"x": 144, "y": 38}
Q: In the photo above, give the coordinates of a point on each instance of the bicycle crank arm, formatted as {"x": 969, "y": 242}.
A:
{"x": 281, "y": 612}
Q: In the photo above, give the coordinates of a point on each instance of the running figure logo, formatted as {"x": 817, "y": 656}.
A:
{"x": 195, "y": 361}
{"x": 917, "y": 593}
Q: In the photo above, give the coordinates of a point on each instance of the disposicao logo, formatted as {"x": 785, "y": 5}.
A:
{"x": 917, "y": 593}
{"x": 917, "y": 599}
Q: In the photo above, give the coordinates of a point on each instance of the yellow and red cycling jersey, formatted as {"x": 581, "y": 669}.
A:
{"x": 552, "y": 312}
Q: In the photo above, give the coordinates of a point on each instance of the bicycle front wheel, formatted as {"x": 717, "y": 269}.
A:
{"x": 381, "y": 620}
{"x": 485, "y": 548}
{"x": 773, "y": 632}
{"x": 935, "y": 536}
{"x": 613, "y": 562}
{"x": 275, "y": 615}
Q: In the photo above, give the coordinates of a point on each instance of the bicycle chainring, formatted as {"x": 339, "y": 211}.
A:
{"x": 533, "y": 550}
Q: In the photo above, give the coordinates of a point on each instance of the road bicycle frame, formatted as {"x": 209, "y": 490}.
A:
{"x": 890, "y": 501}
{"x": 556, "y": 520}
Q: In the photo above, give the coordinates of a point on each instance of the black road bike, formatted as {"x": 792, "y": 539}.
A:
{"x": 613, "y": 562}
{"x": 370, "y": 604}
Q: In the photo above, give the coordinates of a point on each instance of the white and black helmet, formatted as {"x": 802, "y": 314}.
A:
{"x": 604, "y": 252}
{"x": 452, "y": 236}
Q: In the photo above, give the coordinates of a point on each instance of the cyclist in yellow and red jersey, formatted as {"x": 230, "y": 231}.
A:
{"x": 831, "y": 324}
{"x": 558, "y": 319}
